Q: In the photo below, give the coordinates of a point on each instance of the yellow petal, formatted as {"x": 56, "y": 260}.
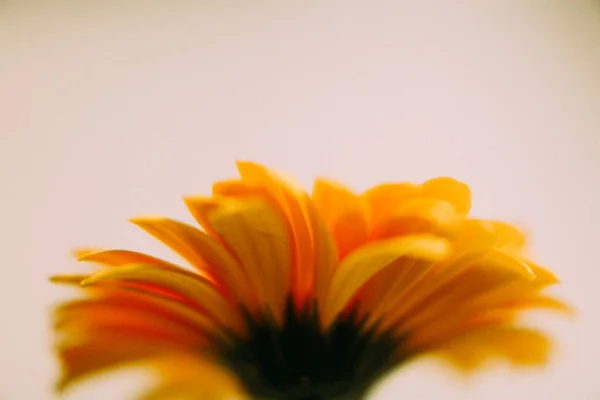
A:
{"x": 200, "y": 207}
{"x": 211, "y": 389}
{"x": 343, "y": 212}
{"x": 520, "y": 346}
{"x": 325, "y": 254}
{"x": 189, "y": 378}
{"x": 434, "y": 296}
{"x": 515, "y": 292}
{"x": 364, "y": 263}
{"x": 73, "y": 279}
{"x": 256, "y": 234}
{"x": 117, "y": 258}
{"x": 508, "y": 237}
{"x": 391, "y": 287}
{"x": 543, "y": 276}
{"x": 95, "y": 356}
{"x": 326, "y": 257}
{"x": 96, "y": 320}
{"x": 291, "y": 199}
{"x": 171, "y": 392}
{"x": 472, "y": 240}
{"x": 475, "y": 315}
{"x": 193, "y": 287}
{"x": 202, "y": 251}
{"x": 81, "y": 252}
{"x": 450, "y": 190}
{"x": 79, "y": 311}
{"x": 503, "y": 264}
{"x": 238, "y": 188}
{"x": 478, "y": 235}
{"x": 418, "y": 215}
{"x": 383, "y": 199}
{"x": 525, "y": 303}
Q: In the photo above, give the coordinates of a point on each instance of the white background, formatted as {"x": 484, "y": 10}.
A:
{"x": 110, "y": 109}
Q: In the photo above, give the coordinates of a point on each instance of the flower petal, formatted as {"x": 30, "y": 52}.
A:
{"x": 94, "y": 356}
{"x": 135, "y": 303}
{"x": 344, "y": 213}
{"x": 188, "y": 377}
{"x": 363, "y": 264}
{"x": 475, "y": 276}
{"x": 479, "y": 234}
{"x": 291, "y": 199}
{"x": 202, "y": 251}
{"x": 118, "y": 258}
{"x": 200, "y": 207}
{"x": 474, "y": 316}
{"x": 81, "y": 252}
{"x": 86, "y": 321}
{"x": 418, "y": 215}
{"x": 390, "y": 287}
{"x": 69, "y": 279}
{"x": 256, "y": 234}
{"x": 472, "y": 240}
{"x": 193, "y": 287}
{"x": 326, "y": 256}
{"x": 450, "y": 190}
{"x": 383, "y": 199}
{"x": 520, "y": 346}
{"x": 240, "y": 189}
{"x": 517, "y": 305}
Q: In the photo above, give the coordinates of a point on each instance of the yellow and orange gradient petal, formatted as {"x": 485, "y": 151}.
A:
{"x": 405, "y": 259}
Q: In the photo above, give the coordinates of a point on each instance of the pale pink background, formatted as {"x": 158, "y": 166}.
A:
{"x": 114, "y": 108}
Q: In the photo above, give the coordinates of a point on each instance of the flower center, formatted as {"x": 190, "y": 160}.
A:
{"x": 298, "y": 361}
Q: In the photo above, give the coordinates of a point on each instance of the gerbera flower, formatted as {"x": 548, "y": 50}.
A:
{"x": 298, "y": 296}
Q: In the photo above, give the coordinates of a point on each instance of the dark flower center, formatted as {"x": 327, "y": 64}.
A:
{"x": 300, "y": 362}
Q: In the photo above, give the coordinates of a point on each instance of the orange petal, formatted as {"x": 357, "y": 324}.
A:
{"x": 384, "y": 199}
{"x": 256, "y": 234}
{"x": 117, "y": 258}
{"x": 292, "y": 200}
{"x": 418, "y": 215}
{"x": 478, "y": 234}
{"x": 450, "y": 190}
{"x": 186, "y": 377}
{"x": 200, "y": 207}
{"x": 110, "y": 351}
{"x": 390, "y": 287}
{"x": 364, "y": 263}
{"x": 520, "y": 346}
{"x": 326, "y": 257}
{"x": 79, "y": 311}
{"x": 202, "y": 251}
{"x": 95, "y": 319}
{"x": 525, "y": 302}
{"x": 73, "y": 279}
{"x": 238, "y": 188}
{"x": 199, "y": 291}
{"x": 476, "y": 315}
{"x": 81, "y": 252}
{"x": 435, "y": 297}
{"x": 343, "y": 212}
{"x": 472, "y": 240}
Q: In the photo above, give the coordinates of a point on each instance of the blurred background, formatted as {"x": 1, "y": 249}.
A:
{"x": 110, "y": 109}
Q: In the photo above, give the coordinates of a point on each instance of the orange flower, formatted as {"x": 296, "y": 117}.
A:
{"x": 306, "y": 297}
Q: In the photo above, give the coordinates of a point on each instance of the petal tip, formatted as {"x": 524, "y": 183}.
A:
{"x": 194, "y": 200}
{"x": 80, "y": 253}
{"x": 144, "y": 219}
{"x": 67, "y": 279}
{"x": 57, "y": 278}
{"x": 87, "y": 282}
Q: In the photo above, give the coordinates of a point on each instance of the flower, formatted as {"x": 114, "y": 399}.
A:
{"x": 297, "y": 296}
